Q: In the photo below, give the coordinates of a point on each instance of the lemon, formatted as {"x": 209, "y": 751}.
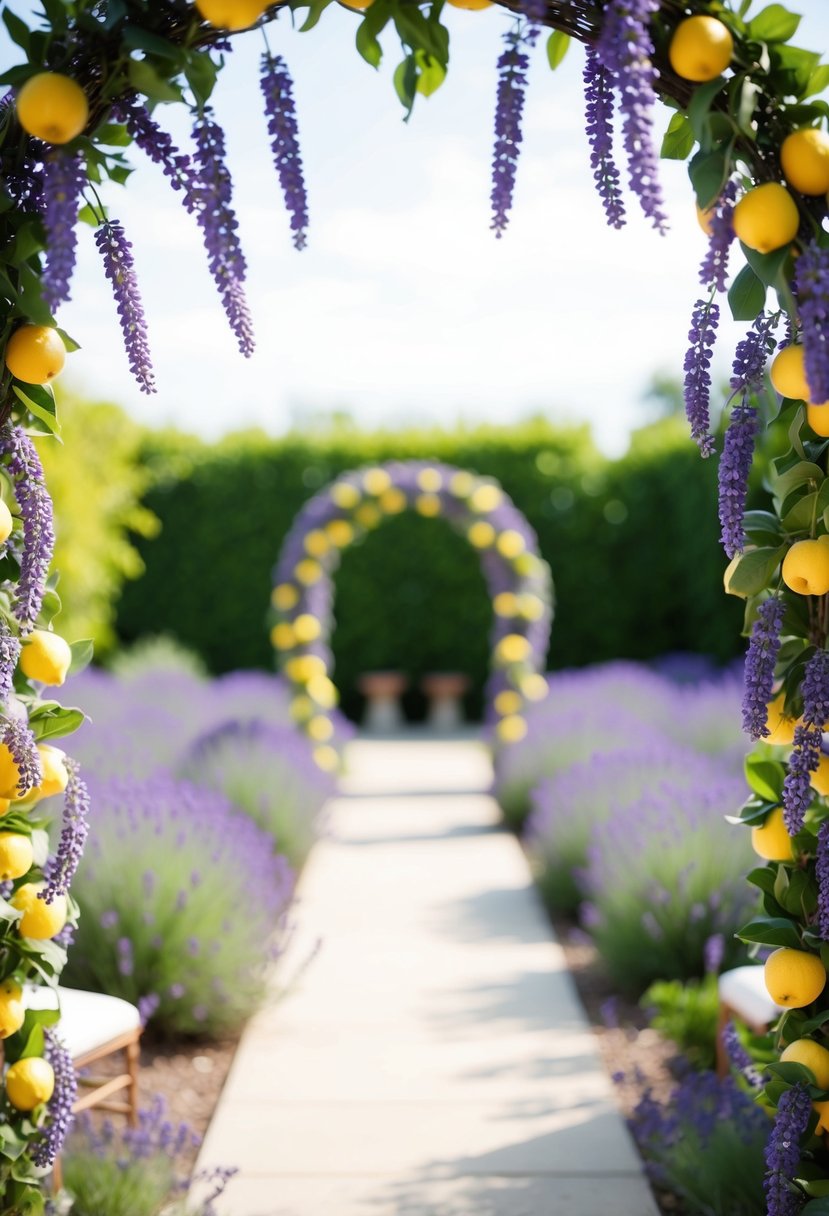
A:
{"x": 40, "y": 921}
{"x": 320, "y": 728}
{"x": 285, "y": 596}
{"x": 462, "y": 484}
{"x": 804, "y": 156}
{"x": 473, "y": 6}
{"x": 46, "y": 657}
{"x": 16, "y": 856}
{"x": 340, "y": 533}
{"x": 323, "y": 691}
{"x": 12, "y": 1009}
{"x": 507, "y": 702}
{"x": 531, "y": 606}
{"x": 306, "y": 628}
{"x": 368, "y": 515}
{"x": 6, "y": 522}
{"x": 820, "y": 777}
{"x": 485, "y": 497}
{"x": 427, "y": 505}
{"x": 429, "y": 480}
{"x": 392, "y": 501}
{"x": 511, "y": 729}
{"x": 505, "y": 604}
{"x": 29, "y": 1083}
{"x": 53, "y": 108}
{"x": 766, "y": 217}
{"x": 794, "y": 978}
{"x": 55, "y": 776}
{"x": 805, "y": 568}
{"x": 282, "y": 636}
{"x": 481, "y": 534}
{"x": 303, "y": 667}
{"x": 301, "y": 708}
{"x": 510, "y": 543}
{"x": 701, "y": 48}
{"x": 316, "y": 543}
{"x": 534, "y": 687}
{"x": 818, "y": 418}
{"x": 9, "y": 773}
{"x": 514, "y": 648}
{"x": 812, "y": 1055}
{"x": 781, "y": 728}
{"x": 822, "y": 1109}
{"x": 232, "y": 14}
{"x": 345, "y": 495}
{"x": 770, "y": 838}
{"x": 326, "y": 758}
{"x": 375, "y": 481}
{"x": 788, "y": 373}
{"x": 705, "y": 216}
{"x": 308, "y": 571}
{"x": 35, "y": 354}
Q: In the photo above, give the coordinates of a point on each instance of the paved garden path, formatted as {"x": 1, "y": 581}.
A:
{"x": 432, "y": 1056}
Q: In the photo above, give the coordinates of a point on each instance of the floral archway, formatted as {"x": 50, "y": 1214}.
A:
{"x": 517, "y": 578}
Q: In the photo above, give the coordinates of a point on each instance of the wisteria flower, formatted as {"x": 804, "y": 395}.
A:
{"x": 697, "y": 385}
{"x": 759, "y": 666}
{"x": 599, "y": 104}
{"x": 61, "y": 869}
{"x": 735, "y": 466}
{"x": 783, "y": 1151}
{"x": 714, "y": 269}
{"x": 20, "y": 741}
{"x": 509, "y": 110}
{"x": 23, "y": 465}
{"x": 119, "y": 268}
{"x": 61, "y": 1103}
{"x": 751, "y": 356}
{"x": 63, "y": 183}
{"x": 811, "y": 278}
{"x": 280, "y": 111}
{"x": 797, "y": 785}
{"x": 822, "y": 870}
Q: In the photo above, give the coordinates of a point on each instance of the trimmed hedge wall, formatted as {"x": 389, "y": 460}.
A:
{"x": 632, "y": 544}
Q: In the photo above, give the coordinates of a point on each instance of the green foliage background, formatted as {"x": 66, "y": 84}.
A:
{"x": 632, "y": 544}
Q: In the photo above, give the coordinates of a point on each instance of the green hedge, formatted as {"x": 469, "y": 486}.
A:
{"x": 632, "y": 544}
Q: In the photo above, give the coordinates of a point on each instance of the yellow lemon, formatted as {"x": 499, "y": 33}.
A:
{"x": 794, "y": 978}
{"x": 822, "y": 1109}
{"x": 5, "y": 806}
{"x": 306, "y": 628}
{"x": 701, "y": 48}
{"x": 766, "y": 218}
{"x": 9, "y": 773}
{"x": 308, "y": 571}
{"x": 323, "y": 691}
{"x": 804, "y": 156}
{"x": 301, "y": 708}
{"x": 375, "y": 481}
{"x": 35, "y": 354}
{"x": 510, "y": 543}
{"x": 820, "y": 777}
{"x": 427, "y": 505}
{"x": 527, "y": 565}
{"x": 507, "y": 702}
{"x": 705, "y": 216}
{"x": 345, "y": 495}
{"x": 326, "y": 758}
{"x": 303, "y": 667}
{"x": 485, "y": 497}
{"x": 430, "y": 480}
{"x": 505, "y": 604}
{"x": 534, "y": 687}
{"x": 12, "y": 1009}
{"x": 818, "y": 418}
{"x": 29, "y": 1083}
{"x": 6, "y": 522}
{"x": 788, "y": 374}
{"x": 40, "y": 920}
{"x": 462, "y": 484}
{"x": 392, "y": 501}
{"x": 367, "y": 515}
{"x": 781, "y": 727}
{"x": 340, "y": 533}
{"x": 316, "y": 543}
{"x": 285, "y": 596}
{"x": 16, "y": 856}
{"x": 473, "y": 6}
{"x": 481, "y": 534}
{"x": 812, "y": 1055}
{"x": 514, "y": 648}
{"x": 232, "y": 14}
{"x": 320, "y": 728}
{"x": 55, "y": 776}
{"x": 46, "y": 657}
{"x": 282, "y": 636}
{"x": 770, "y": 838}
{"x": 530, "y": 606}
{"x": 53, "y": 108}
{"x": 805, "y": 567}
{"x": 511, "y": 729}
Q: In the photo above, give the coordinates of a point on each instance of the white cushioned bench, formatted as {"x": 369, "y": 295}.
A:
{"x": 743, "y": 994}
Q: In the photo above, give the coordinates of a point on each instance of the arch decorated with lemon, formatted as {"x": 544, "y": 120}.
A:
{"x": 517, "y": 578}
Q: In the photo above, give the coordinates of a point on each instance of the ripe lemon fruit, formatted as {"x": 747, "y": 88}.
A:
{"x": 701, "y": 48}
{"x": 770, "y": 839}
{"x": 285, "y": 596}
{"x": 429, "y": 480}
{"x": 55, "y": 775}
{"x": 40, "y": 921}
{"x": 531, "y": 606}
{"x": 325, "y": 756}
{"x": 340, "y": 533}
{"x": 53, "y": 108}
{"x": 820, "y": 777}
{"x": 705, "y": 216}
{"x": 474, "y": 6}
{"x": 306, "y": 628}
{"x": 510, "y": 544}
{"x": 6, "y": 522}
{"x": 513, "y": 648}
{"x": 392, "y": 501}
{"x": 9, "y": 773}
{"x": 367, "y": 515}
{"x": 481, "y": 534}
{"x": 766, "y": 218}
{"x": 16, "y": 856}
{"x": 308, "y": 571}
{"x": 319, "y": 728}
{"x": 818, "y": 418}
{"x": 376, "y": 481}
{"x": 511, "y": 729}
{"x": 822, "y": 1109}
{"x": 485, "y": 498}
{"x": 505, "y": 604}
{"x": 29, "y": 1083}
{"x": 805, "y": 567}
{"x": 12, "y": 1009}
{"x": 231, "y": 14}
{"x": 316, "y": 543}
{"x": 535, "y": 687}
{"x": 427, "y": 505}
{"x": 303, "y": 667}
{"x": 46, "y": 657}
{"x": 794, "y": 978}
{"x": 804, "y": 156}
{"x": 282, "y": 636}
{"x": 462, "y": 484}
{"x": 35, "y": 354}
{"x": 812, "y": 1055}
{"x": 788, "y": 373}
{"x": 345, "y": 495}
{"x": 507, "y": 702}
{"x": 781, "y": 727}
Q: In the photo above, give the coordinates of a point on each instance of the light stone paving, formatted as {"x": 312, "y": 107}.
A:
{"x": 430, "y": 1055}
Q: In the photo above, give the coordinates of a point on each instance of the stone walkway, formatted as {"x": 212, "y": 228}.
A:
{"x": 432, "y": 1056}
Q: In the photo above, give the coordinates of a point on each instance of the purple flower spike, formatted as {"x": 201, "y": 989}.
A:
{"x": 625, "y": 47}
{"x": 759, "y": 666}
{"x": 822, "y": 868}
{"x": 21, "y": 743}
{"x": 797, "y": 786}
{"x": 815, "y": 690}
{"x": 61, "y": 868}
{"x": 60, "y": 1104}
{"x": 735, "y": 465}
{"x": 751, "y": 355}
{"x": 277, "y": 89}
{"x": 156, "y": 144}
{"x": 64, "y": 180}
{"x": 120, "y": 270}
{"x": 697, "y": 388}
{"x": 9, "y": 655}
{"x": 509, "y": 109}
{"x": 714, "y": 269}
{"x": 811, "y": 278}
{"x": 23, "y": 464}
{"x": 598, "y": 98}
{"x": 783, "y": 1152}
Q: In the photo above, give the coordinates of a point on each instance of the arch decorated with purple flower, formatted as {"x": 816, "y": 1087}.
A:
{"x": 517, "y": 577}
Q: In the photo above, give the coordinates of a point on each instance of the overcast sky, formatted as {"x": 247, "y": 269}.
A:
{"x": 403, "y": 308}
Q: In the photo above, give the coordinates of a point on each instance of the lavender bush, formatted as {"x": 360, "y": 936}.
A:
{"x": 182, "y": 900}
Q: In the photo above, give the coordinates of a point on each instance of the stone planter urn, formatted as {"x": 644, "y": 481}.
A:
{"x": 383, "y": 690}
{"x": 445, "y": 691}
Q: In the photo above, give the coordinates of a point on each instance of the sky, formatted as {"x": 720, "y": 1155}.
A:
{"x": 404, "y": 308}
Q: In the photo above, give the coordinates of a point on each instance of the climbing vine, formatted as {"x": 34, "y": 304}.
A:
{"x": 746, "y": 113}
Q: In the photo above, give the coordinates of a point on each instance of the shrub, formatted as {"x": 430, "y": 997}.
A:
{"x": 262, "y": 771}
{"x": 706, "y": 1146}
{"x": 155, "y": 652}
{"x": 666, "y": 874}
{"x": 181, "y": 899}
{"x": 687, "y": 1015}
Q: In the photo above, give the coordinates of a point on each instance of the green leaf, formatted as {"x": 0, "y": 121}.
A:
{"x": 799, "y": 517}
{"x": 700, "y": 105}
{"x": 767, "y": 266}
{"x": 315, "y": 10}
{"x": 752, "y": 571}
{"x": 763, "y": 877}
{"x": 791, "y": 1073}
{"x": 771, "y": 931}
{"x": 746, "y": 296}
{"x": 147, "y": 79}
{"x": 708, "y": 172}
{"x": 558, "y": 44}
{"x": 40, "y": 401}
{"x": 405, "y": 82}
{"x": 765, "y": 777}
{"x": 55, "y": 724}
{"x": 773, "y": 24}
{"x": 69, "y": 342}
{"x": 201, "y": 74}
{"x": 82, "y": 652}
{"x": 816, "y": 1207}
{"x": 678, "y": 141}
{"x": 799, "y": 474}
{"x": 19, "y": 31}
{"x": 431, "y": 74}
{"x": 818, "y": 81}
{"x": 138, "y": 39}
{"x": 368, "y": 45}
{"x": 763, "y": 526}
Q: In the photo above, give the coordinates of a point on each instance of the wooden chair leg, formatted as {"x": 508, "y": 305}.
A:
{"x": 133, "y": 1057}
{"x": 723, "y": 1018}
{"x": 57, "y": 1176}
